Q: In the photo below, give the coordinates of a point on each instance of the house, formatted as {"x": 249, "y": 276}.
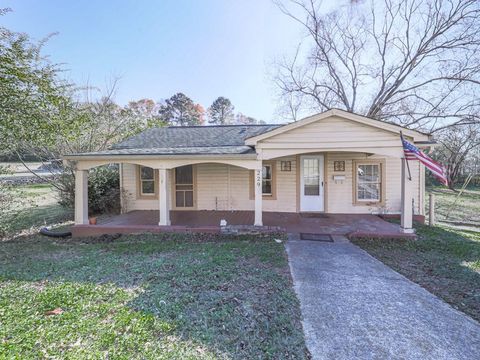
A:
{"x": 335, "y": 162}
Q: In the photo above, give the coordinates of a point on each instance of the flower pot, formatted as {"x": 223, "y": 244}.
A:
{"x": 92, "y": 221}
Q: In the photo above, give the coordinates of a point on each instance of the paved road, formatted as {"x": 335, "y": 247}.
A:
{"x": 355, "y": 307}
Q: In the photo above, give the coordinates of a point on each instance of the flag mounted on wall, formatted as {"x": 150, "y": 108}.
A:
{"x": 414, "y": 153}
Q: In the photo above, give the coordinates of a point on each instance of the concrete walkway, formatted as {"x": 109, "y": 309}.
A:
{"x": 355, "y": 307}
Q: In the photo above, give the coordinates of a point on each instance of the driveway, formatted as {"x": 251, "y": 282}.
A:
{"x": 355, "y": 307}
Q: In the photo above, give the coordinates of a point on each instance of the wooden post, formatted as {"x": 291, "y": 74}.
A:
{"x": 407, "y": 208}
{"x": 258, "y": 197}
{"x": 163, "y": 175}
{"x": 431, "y": 209}
{"x": 81, "y": 197}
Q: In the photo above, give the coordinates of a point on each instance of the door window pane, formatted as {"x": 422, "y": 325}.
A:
{"x": 180, "y": 198}
{"x": 188, "y": 198}
{"x": 184, "y": 175}
{"x": 311, "y": 177}
{"x": 184, "y": 186}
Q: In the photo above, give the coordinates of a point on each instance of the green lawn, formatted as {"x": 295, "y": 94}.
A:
{"x": 36, "y": 206}
{"x": 466, "y": 209}
{"x": 148, "y": 297}
{"x": 445, "y": 261}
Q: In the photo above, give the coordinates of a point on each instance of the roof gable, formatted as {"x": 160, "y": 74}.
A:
{"x": 377, "y": 124}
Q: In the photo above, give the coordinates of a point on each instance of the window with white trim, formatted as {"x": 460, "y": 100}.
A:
{"x": 147, "y": 181}
{"x": 369, "y": 182}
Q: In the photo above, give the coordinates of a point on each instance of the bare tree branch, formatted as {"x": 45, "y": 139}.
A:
{"x": 414, "y": 62}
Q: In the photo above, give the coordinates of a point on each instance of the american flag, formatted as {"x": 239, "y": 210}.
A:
{"x": 414, "y": 153}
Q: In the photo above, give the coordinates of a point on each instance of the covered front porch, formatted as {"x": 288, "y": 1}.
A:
{"x": 232, "y": 189}
{"x": 351, "y": 225}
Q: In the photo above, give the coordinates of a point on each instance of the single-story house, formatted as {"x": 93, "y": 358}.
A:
{"x": 334, "y": 162}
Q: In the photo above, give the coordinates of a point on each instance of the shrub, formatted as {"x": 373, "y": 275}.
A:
{"x": 103, "y": 190}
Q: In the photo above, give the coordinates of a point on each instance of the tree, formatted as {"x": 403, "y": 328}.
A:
{"x": 221, "y": 111}
{"x": 9, "y": 199}
{"x": 90, "y": 125}
{"x": 182, "y": 111}
{"x": 413, "y": 62}
{"x": 146, "y": 111}
{"x": 32, "y": 95}
{"x": 458, "y": 146}
{"x": 241, "y": 119}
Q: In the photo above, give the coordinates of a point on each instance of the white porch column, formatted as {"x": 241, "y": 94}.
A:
{"x": 258, "y": 197}
{"x": 81, "y": 197}
{"x": 163, "y": 194}
{"x": 407, "y": 210}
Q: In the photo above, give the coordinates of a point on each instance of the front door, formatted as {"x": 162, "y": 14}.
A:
{"x": 311, "y": 183}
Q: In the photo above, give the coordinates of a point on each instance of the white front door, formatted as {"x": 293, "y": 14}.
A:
{"x": 311, "y": 183}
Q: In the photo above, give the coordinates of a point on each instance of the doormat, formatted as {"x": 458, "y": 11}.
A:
{"x": 314, "y": 215}
{"x": 316, "y": 237}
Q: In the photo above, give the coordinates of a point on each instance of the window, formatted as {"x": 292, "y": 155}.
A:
{"x": 147, "y": 181}
{"x": 267, "y": 179}
{"x": 369, "y": 182}
{"x": 184, "y": 186}
{"x": 269, "y": 173}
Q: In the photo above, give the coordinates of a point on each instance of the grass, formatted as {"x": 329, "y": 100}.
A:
{"x": 466, "y": 210}
{"x": 148, "y": 297}
{"x": 443, "y": 260}
{"x": 36, "y": 206}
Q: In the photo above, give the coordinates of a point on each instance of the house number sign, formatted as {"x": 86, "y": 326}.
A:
{"x": 258, "y": 177}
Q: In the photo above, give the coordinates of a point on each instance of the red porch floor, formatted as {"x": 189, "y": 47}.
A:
{"x": 353, "y": 225}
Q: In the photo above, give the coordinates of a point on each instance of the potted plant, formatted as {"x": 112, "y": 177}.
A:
{"x": 92, "y": 220}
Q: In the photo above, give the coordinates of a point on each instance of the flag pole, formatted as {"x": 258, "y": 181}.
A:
{"x": 406, "y": 161}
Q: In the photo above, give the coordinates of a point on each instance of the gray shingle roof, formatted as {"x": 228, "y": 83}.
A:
{"x": 202, "y": 150}
{"x": 188, "y": 140}
{"x": 194, "y": 136}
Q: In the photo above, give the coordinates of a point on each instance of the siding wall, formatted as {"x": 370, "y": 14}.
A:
{"x": 130, "y": 191}
{"x": 226, "y": 187}
{"x": 341, "y": 193}
{"x": 334, "y": 130}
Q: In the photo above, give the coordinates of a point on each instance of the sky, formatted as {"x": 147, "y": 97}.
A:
{"x": 206, "y": 48}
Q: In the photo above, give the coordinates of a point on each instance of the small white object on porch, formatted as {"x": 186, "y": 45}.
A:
{"x": 163, "y": 176}
{"x": 81, "y": 197}
{"x": 258, "y": 197}
{"x": 407, "y": 198}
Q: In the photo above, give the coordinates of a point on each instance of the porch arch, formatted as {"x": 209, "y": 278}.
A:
{"x": 250, "y": 164}
{"x": 164, "y": 168}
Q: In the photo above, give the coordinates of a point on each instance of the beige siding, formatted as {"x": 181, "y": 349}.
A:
{"x": 212, "y": 187}
{"x": 335, "y": 131}
{"x": 286, "y": 189}
{"x": 226, "y": 187}
{"x": 341, "y": 193}
{"x": 129, "y": 183}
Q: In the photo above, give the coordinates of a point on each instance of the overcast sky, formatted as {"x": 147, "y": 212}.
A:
{"x": 205, "y": 48}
